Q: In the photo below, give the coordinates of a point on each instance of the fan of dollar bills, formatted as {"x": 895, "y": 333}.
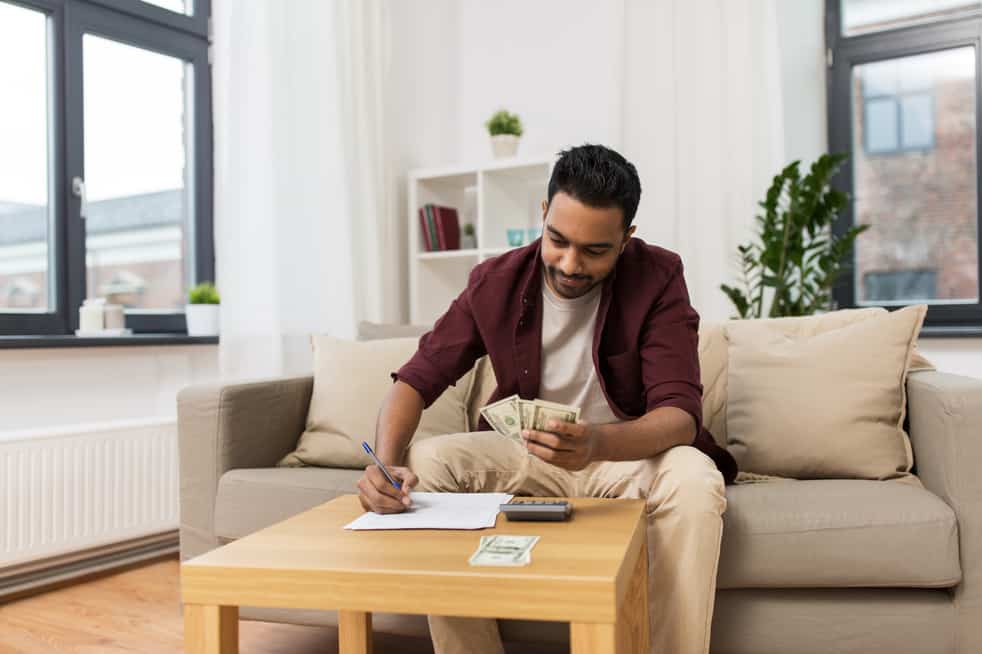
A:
{"x": 509, "y": 416}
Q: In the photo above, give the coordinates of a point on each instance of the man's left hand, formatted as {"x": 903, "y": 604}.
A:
{"x": 568, "y": 445}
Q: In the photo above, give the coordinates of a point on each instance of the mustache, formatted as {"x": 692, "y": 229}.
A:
{"x": 557, "y": 273}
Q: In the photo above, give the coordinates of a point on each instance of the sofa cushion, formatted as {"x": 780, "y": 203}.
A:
{"x": 713, "y": 356}
{"x": 251, "y": 499}
{"x": 821, "y": 397}
{"x": 837, "y": 533}
{"x": 784, "y": 534}
{"x": 351, "y": 379}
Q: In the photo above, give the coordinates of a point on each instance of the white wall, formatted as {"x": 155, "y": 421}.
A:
{"x": 962, "y": 356}
{"x": 559, "y": 66}
{"x": 421, "y": 119}
{"x": 41, "y": 388}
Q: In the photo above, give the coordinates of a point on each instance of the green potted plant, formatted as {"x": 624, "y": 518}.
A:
{"x": 505, "y": 129}
{"x": 468, "y": 240}
{"x": 795, "y": 259}
{"x": 202, "y": 310}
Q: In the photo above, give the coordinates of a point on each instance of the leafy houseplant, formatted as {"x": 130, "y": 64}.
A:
{"x": 505, "y": 129}
{"x": 202, "y": 310}
{"x": 204, "y": 293}
{"x": 795, "y": 258}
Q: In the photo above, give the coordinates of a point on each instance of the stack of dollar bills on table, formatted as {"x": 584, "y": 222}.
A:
{"x": 509, "y": 416}
{"x": 504, "y": 550}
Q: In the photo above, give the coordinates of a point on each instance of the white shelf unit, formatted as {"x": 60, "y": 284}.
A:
{"x": 494, "y": 196}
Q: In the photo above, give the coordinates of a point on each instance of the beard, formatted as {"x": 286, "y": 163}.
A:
{"x": 582, "y": 286}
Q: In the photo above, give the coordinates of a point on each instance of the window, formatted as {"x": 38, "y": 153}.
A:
{"x": 106, "y": 169}
{"x": 904, "y": 87}
{"x": 866, "y": 16}
{"x": 898, "y": 106}
{"x": 900, "y": 285}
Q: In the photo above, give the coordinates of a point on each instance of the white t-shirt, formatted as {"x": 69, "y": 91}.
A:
{"x": 568, "y": 374}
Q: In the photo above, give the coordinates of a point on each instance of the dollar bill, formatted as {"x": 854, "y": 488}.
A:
{"x": 502, "y": 550}
{"x": 545, "y": 411}
{"x": 526, "y": 409}
{"x": 505, "y": 418}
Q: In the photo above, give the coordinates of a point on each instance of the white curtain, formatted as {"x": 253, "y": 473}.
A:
{"x": 703, "y": 119}
{"x": 300, "y": 200}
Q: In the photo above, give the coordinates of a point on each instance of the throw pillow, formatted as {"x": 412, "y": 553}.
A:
{"x": 350, "y": 381}
{"x": 821, "y": 396}
{"x": 374, "y": 331}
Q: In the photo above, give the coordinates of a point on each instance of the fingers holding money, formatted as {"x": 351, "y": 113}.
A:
{"x": 544, "y": 439}
{"x": 569, "y": 445}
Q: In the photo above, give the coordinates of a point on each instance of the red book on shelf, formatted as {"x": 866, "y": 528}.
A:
{"x": 448, "y": 227}
{"x": 424, "y": 229}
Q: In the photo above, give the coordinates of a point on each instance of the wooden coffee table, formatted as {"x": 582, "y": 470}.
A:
{"x": 591, "y": 571}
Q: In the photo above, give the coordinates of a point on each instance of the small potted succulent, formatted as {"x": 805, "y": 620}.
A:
{"x": 505, "y": 129}
{"x": 202, "y": 310}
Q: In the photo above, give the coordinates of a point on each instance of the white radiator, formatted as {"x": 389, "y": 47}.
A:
{"x": 65, "y": 490}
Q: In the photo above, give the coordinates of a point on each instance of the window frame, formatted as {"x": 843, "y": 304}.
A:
{"x": 151, "y": 28}
{"x": 845, "y": 52}
{"x": 196, "y": 23}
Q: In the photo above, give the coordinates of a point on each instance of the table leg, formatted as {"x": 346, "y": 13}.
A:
{"x": 211, "y": 629}
{"x": 592, "y": 638}
{"x": 629, "y": 635}
{"x": 632, "y": 617}
{"x": 355, "y": 632}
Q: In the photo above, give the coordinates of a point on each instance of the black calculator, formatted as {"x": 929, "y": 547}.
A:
{"x": 537, "y": 510}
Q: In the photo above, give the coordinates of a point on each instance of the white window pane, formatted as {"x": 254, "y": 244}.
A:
{"x": 880, "y": 78}
{"x": 919, "y": 200}
{"x": 25, "y": 207}
{"x": 179, "y": 6}
{"x": 137, "y": 172}
{"x": 917, "y": 121}
{"x": 881, "y": 125}
{"x": 863, "y": 16}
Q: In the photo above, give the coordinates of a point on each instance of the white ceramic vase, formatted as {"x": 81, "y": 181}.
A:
{"x": 202, "y": 319}
{"x": 504, "y": 145}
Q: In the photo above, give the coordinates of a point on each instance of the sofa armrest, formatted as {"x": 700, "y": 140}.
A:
{"x": 946, "y": 436}
{"x": 225, "y": 426}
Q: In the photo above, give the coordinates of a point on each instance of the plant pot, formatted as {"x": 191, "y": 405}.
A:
{"x": 202, "y": 319}
{"x": 468, "y": 241}
{"x": 504, "y": 145}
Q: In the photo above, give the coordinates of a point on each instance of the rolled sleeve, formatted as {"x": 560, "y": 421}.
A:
{"x": 448, "y": 351}
{"x": 670, "y": 351}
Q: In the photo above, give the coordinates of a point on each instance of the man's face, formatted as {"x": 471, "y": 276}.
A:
{"x": 580, "y": 244}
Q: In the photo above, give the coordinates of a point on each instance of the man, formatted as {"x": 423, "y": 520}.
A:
{"x": 589, "y": 317}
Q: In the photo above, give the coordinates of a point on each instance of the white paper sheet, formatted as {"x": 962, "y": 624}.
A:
{"x": 438, "y": 511}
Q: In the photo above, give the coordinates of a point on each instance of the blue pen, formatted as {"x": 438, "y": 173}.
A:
{"x": 380, "y": 466}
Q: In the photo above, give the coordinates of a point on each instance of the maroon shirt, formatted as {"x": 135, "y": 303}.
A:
{"x": 645, "y": 345}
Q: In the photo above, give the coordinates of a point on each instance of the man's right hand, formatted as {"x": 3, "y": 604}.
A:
{"x": 376, "y": 493}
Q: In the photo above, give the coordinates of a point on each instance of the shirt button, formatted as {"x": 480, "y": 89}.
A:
{"x": 526, "y": 371}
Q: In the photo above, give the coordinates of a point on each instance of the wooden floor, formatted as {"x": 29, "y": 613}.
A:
{"x": 139, "y": 610}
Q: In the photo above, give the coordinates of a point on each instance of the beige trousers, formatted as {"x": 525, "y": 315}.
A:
{"x": 685, "y": 499}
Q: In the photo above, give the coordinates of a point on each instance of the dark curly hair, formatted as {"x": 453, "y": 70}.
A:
{"x": 598, "y": 177}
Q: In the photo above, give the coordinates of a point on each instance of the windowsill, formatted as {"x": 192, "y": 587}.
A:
{"x": 966, "y": 331}
{"x": 16, "y": 342}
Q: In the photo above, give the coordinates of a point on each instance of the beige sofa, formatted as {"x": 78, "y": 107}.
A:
{"x": 823, "y": 566}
